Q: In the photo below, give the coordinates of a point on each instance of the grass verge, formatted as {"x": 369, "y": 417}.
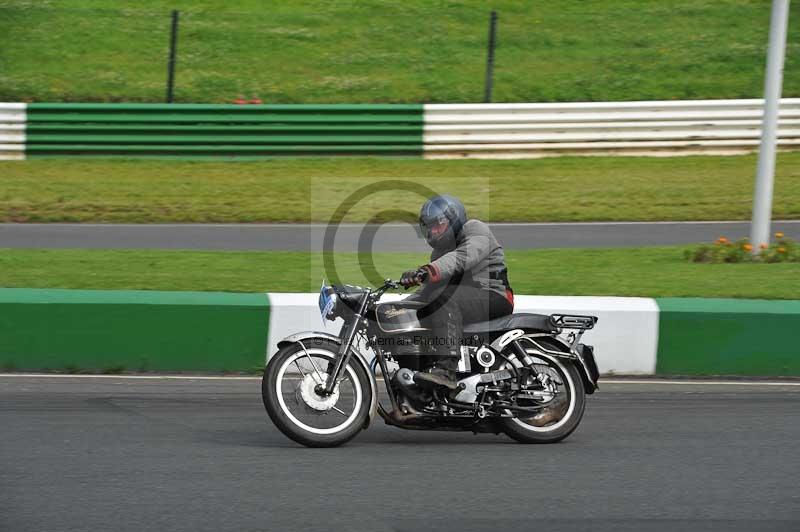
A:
{"x": 647, "y": 272}
{"x": 304, "y": 190}
{"x": 388, "y": 51}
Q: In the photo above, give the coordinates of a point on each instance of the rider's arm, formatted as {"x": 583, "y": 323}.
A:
{"x": 470, "y": 252}
{"x": 423, "y": 293}
{"x": 420, "y": 295}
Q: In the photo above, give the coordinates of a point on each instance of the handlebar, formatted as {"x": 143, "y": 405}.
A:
{"x": 391, "y": 284}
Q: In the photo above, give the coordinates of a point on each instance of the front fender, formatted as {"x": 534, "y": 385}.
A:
{"x": 310, "y": 335}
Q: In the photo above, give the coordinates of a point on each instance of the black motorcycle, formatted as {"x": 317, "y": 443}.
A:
{"x": 519, "y": 374}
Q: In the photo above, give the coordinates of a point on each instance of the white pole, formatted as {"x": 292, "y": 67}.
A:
{"x": 765, "y": 175}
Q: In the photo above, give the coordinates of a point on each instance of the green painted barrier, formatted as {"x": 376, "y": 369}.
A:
{"x": 202, "y": 130}
{"x": 728, "y": 337}
{"x": 132, "y": 330}
{"x": 98, "y": 330}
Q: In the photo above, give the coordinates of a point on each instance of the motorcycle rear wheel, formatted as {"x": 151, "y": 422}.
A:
{"x": 301, "y": 414}
{"x": 528, "y": 431}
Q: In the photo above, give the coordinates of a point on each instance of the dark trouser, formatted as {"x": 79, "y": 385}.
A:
{"x": 456, "y": 305}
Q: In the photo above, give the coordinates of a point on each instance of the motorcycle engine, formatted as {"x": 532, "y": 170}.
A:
{"x": 403, "y": 382}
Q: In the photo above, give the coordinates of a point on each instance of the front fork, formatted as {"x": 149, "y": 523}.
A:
{"x": 341, "y": 360}
{"x": 347, "y": 335}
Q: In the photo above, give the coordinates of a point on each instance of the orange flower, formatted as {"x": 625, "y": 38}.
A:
{"x": 778, "y": 235}
{"x": 747, "y": 247}
{"x": 722, "y": 240}
{"x": 781, "y": 250}
{"x": 763, "y": 246}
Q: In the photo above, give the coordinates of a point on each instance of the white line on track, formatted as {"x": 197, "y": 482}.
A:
{"x": 704, "y": 383}
{"x": 245, "y": 378}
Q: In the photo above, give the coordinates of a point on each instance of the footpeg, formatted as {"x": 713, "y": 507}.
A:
{"x": 494, "y": 376}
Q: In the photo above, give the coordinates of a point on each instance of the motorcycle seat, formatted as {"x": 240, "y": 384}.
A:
{"x": 526, "y": 321}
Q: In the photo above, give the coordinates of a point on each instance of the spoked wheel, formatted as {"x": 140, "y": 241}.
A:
{"x": 290, "y": 393}
{"x": 563, "y": 402}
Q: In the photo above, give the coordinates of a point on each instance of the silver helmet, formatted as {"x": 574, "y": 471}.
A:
{"x": 441, "y": 219}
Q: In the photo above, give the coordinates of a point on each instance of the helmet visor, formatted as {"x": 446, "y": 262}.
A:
{"x": 434, "y": 229}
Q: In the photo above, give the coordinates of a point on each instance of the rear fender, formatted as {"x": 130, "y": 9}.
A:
{"x": 356, "y": 355}
{"x": 586, "y": 367}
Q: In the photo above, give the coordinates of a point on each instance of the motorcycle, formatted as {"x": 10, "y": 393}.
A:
{"x": 525, "y": 375}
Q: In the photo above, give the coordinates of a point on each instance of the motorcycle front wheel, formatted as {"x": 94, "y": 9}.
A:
{"x": 289, "y": 391}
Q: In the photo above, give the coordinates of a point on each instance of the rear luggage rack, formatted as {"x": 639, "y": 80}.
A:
{"x": 569, "y": 321}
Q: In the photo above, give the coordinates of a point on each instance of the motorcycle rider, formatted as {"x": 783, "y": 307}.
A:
{"x": 466, "y": 281}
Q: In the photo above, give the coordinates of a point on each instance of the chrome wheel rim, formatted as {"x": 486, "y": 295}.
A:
{"x": 295, "y": 386}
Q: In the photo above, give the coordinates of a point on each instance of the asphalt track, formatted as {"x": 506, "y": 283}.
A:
{"x": 195, "y": 455}
{"x": 390, "y": 237}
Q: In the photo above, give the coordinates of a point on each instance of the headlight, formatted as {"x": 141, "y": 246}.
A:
{"x": 327, "y": 302}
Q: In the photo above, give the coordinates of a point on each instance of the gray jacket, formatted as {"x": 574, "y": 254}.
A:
{"x": 478, "y": 257}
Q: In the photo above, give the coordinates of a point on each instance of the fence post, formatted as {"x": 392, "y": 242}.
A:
{"x": 487, "y": 94}
{"x": 173, "y": 41}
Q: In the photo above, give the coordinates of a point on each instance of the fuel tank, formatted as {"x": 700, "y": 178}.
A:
{"x": 399, "y": 317}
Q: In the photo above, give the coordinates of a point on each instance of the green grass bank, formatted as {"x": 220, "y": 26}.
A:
{"x": 309, "y": 190}
{"x": 415, "y": 51}
{"x": 645, "y": 272}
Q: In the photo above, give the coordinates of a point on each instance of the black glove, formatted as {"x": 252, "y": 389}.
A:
{"x": 412, "y": 278}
